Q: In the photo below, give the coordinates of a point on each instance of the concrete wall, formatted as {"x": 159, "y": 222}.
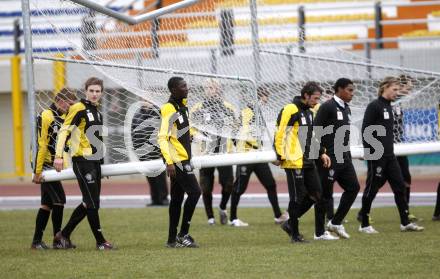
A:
{"x": 6, "y": 140}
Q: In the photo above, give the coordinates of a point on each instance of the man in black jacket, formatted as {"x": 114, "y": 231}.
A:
{"x": 295, "y": 147}
{"x": 144, "y": 129}
{"x": 214, "y": 113}
{"x": 405, "y": 89}
{"x": 378, "y": 141}
{"x": 336, "y": 115}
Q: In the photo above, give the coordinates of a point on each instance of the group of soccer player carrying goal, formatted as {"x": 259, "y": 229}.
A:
{"x": 310, "y": 143}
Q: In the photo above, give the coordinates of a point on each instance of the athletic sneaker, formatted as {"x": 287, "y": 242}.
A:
{"x": 286, "y": 227}
{"x": 223, "y": 216}
{"x": 436, "y": 218}
{"x": 174, "y": 244}
{"x": 283, "y": 218}
{"x": 63, "y": 242}
{"x": 411, "y": 227}
{"x": 370, "y": 220}
{"x": 187, "y": 241}
{"x": 338, "y": 229}
{"x": 368, "y": 230}
{"x": 56, "y": 244}
{"x": 39, "y": 246}
{"x": 298, "y": 239}
{"x": 211, "y": 221}
{"x": 238, "y": 223}
{"x": 325, "y": 236}
{"x": 105, "y": 246}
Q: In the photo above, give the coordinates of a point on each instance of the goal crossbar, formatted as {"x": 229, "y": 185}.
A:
{"x": 132, "y": 20}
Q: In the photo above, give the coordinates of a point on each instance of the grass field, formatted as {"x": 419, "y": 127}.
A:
{"x": 261, "y": 250}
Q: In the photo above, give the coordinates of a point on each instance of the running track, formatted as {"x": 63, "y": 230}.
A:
{"x": 119, "y": 193}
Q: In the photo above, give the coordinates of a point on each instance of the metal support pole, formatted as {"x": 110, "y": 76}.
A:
{"x": 88, "y": 31}
{"x": 214, "y": 62}
{"x": 17, "y": 115}
{"x": 139, "y": 73}
{"x": 290, "y": 67}
{"x": 301, "y": 29}
{"x": 255, "y": 41}
{"x": 29, "y": 72}
{"x": 377, "y": 24}
{"x": 59, "y": 74}
{"x": 227, "y": 32}
{"x": 257, "y": 59}
{"x": 368, "y": 56}
{"x": 17, "y": 104}
{"x": 17, "y": 34}
{"x": 154, "y": 28}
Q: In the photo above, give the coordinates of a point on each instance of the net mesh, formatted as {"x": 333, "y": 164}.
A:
{"x": 210, "y": 44}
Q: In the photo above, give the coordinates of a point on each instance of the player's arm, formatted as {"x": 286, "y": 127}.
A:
{"x": 166, "y": 124}
{"x": 231, "y": 113}
{"x": 44, "y": 120}
{"x": 370, "y": 117}
{"x": 244, "y": 133}
{"x": 285, "y": 121}
{"x": 320, "y": 120}
{"x": 72, "y": 119}
{"x": 194, "y": 113}
{"x": 138, "y": 133}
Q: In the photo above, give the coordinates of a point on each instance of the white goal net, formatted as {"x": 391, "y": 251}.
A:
{"x": 215, "y": 46}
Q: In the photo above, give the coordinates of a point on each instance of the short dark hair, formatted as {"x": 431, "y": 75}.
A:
{"x": 65, "y": 94}
{"x": 94, "y": 81}
{"x": 172, "y": 82}
{"x": 310, "y": 88}
{"x": 342, "y": 83}
{"x": 405, "y": 79}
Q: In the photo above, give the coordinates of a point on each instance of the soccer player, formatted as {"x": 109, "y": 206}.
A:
{"x": 214, "y": 113}
{"x": 406, "y": 85}
{"x": 262, "y": 170}
{"x": 144, "y": 128}
{"x": 377, "y": 134}
{"x": 175, "y": 145}
{"x": 53, "y": 197}
{"x": 83, "y": 124}
{"x": 295, "y": 149}
{"x": 336, "y": 114}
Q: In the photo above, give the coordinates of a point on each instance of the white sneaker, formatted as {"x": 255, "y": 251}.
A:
{"x": 238, "y": 223}
{"x": 367, "y": 230}
{"x": 211, "y": 221}
{"x": 326, "y": 236}
{"x": 283, "y": 218}
{"x": 338, "y": 229}
{"x": 411, "y": 227}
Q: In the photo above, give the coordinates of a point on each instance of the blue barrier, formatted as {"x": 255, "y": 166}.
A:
{"x": 420, "y": 125}
{"x": 65, "y": 30}
{"x": 38, "y": 50}
{"x": 54, "y": 12}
